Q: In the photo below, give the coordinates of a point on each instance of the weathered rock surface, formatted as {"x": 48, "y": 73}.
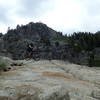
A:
{"x": 50, "y": 80}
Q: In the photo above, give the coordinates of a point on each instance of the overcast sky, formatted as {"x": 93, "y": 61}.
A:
{"x": 62, "y": 15}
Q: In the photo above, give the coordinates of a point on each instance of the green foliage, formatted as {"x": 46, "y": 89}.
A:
{"x": 91, "y": 58}
{"x": 63, "y": 38}
{"x": 1, "y": 34}
{"x": 97, "y": 63}
{"x": 3, "y": 64}
{"x": 85, "y": 41}
{"x": 94, "y": 63}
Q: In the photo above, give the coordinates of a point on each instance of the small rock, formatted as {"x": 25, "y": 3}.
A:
{"x": 96, "y": 94}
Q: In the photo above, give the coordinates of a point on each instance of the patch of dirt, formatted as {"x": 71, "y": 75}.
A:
{"x": 8, "y": 73}
{"x": 55, "y": 74}
{"x": 28, "y": 88}
{"x": 62, "y": 75}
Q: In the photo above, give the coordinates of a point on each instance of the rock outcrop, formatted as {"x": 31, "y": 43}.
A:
{"x": 15, "y": 41}
{"x": 50, "y": 80}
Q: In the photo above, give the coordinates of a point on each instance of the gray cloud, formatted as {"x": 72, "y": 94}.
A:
{"x": 4, "y": 15}
{"x": 90, "y": 17}
{"x": 12, "y": 11}
{"x": 91, "y": 7}
{"x": 24, "y": 8}
{"x": 34, "y": 8}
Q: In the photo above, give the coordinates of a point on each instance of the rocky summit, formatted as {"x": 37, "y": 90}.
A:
{"x": 49, "y": 80}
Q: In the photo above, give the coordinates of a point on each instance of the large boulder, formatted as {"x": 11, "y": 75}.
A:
{"x": 15, "y": 40}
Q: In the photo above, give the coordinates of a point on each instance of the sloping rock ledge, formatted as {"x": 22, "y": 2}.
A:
{"x": 50, "y": 80}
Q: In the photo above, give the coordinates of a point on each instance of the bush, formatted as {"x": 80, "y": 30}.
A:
{"x": 3, "y": 64}
{"x": 97, "y": 63}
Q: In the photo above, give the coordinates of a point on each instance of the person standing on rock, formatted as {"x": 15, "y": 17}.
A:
{"x": 30, "y": 48}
